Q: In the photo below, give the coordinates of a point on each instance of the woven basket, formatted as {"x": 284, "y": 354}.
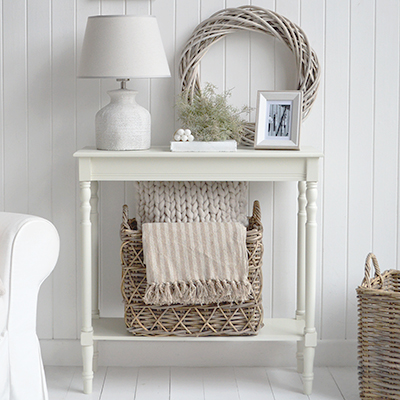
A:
{"x": 224, "y": 319}
{"x": 379, "y": 333}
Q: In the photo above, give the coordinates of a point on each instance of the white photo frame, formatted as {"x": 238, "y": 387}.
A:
{"x": 278, "y": 120}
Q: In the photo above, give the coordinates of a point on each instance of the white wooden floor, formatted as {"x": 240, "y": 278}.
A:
{"x": 120, "y": 383}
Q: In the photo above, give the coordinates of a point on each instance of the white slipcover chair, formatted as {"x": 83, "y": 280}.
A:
{"x": 29, "y": 248}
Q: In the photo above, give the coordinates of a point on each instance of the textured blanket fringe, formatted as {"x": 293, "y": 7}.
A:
{"x": 197, "y": 292}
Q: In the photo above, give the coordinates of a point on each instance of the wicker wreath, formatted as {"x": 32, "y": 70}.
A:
{"x": 254, "y": 19}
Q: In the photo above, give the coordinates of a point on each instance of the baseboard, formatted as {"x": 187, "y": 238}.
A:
{"x": 335, "y": 353}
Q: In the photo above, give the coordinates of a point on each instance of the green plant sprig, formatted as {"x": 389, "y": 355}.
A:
{"x": 209, "y": 116}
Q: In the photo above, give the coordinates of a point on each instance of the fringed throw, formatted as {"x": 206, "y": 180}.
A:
{"x": 195, "y": 263}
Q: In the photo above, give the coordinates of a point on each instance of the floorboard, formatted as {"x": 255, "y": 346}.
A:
{"x": 220, "y": 383}
{"x": 75, "y": 390}
{"x": 187, "y": 380}
{"x": 324, "y": 386}
{"x": 347, "y": 381}
{"x": 286, "y": 384}
{"x": 233, "y": 383}
{"x": 253, "y": 384}
{"x": 120, "y": 383}
{"x": 59, "y": 381}
{"x": 153, "y": 383}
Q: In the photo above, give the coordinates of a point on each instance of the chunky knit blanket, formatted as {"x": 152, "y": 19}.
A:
{"x": 192, "y": 202}
{"x": 195, "y": 263}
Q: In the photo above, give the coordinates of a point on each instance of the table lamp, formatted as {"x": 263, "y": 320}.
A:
{"x": 123, "y": 47}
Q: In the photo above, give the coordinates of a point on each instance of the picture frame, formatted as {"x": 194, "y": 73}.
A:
{"x": 278, "y": 120}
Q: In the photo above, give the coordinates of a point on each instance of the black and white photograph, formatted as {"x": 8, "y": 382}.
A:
{"x": 279, "y": 119}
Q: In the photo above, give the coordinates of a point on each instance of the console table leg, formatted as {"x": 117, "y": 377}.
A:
{"x": 87, "y": 374}
{"x": 310, "y": 333}
{"x": 300, "y": 356}
{"x": 301, "y": 266}
{"x": 94, "y": 217}
{"x": 86, "y": 263}
{"x": 308, "y": 372}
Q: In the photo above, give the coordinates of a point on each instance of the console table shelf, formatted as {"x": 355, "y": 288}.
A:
{"x": 275, "y": 329}
{"x": 159, "y": 164}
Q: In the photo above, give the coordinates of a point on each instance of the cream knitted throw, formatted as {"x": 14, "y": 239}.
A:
{"x": 192, "y": 202}
{"x": 195, "y": 263}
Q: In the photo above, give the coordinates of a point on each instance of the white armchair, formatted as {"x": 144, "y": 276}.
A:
{"x": 29, "y": 248}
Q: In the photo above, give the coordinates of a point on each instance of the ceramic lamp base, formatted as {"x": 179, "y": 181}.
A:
{"x": 123, "y": 124}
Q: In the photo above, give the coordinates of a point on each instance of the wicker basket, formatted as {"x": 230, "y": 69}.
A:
{"x": 379, "y": 333}
{"x": 224, "y": 319}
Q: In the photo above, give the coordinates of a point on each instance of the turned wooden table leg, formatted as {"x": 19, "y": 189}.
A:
{"x": 301, "y": 268}
{"x": 94, "y": 217}
{"x": 86, "y": 262}
{"x": 310, "y": 333}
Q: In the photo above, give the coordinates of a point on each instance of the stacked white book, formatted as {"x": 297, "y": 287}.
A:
{"x": 226, "y": 145}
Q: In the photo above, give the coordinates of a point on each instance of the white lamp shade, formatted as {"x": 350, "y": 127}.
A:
{"x": 123, "y": 46}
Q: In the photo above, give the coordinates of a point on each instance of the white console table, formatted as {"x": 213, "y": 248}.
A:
{"x": 159, "y": 164}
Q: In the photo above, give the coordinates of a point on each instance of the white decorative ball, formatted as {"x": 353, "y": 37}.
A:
{"x": 177, "y": 137}
{"x": 187, "y": 132}
{"x": 184, "y": 138}
{"x": 190, "y": 138}
{"x": 180, "y": 132}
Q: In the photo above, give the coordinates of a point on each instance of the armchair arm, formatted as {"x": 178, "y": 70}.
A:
{"x": 29, "y": 248}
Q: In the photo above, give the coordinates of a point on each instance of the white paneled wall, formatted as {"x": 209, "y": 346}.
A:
{"x": 46, "y": 114}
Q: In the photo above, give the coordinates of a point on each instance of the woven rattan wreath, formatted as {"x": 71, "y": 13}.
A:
{"x": 255, "y": 19}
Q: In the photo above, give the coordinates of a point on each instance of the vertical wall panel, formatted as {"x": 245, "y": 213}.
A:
{"x": 15, "y": 106}
{"x": 112, "y": 200}
{"x": 262, "y": 62}
{"x": 334, "y": 230}
{"x": 40, "y": 136}
{"x": 313, "y": 24}
{"x": 213, "y": 64}
{"x": 162, "y": 89}
{"x": 361, "y": 152}
{"x": 237, "y": 67}
{"x": 138, "y": 7}
{"x": 286, "y": 77}
{"x": 39, "y": 108}
{"x": 386, "y": 178}
{"x": 87, "y": 89}
{"x": 187, "y": 17}
{"x": 64, "y": 168}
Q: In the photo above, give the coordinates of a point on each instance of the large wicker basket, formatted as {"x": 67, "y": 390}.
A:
{"x": 379, "y": 333}
{"x": 199, "y": 320}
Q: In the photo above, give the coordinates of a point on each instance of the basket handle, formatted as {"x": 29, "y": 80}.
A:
{"x": 125, "y": 217}
{"x": 256, "y": 212}
{"x": 367, "y": 280}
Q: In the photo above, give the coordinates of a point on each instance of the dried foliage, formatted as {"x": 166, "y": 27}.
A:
{"x": 210, "y": 117}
